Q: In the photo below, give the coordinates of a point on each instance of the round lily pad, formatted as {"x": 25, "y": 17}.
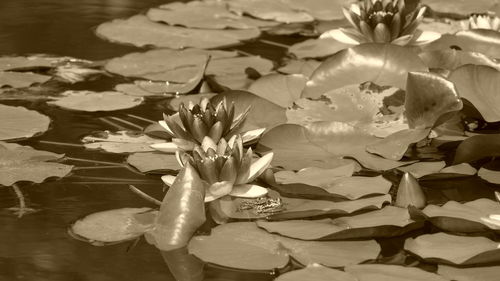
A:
{"x": 17, "y": 122}
{"x": 96, "y": 101}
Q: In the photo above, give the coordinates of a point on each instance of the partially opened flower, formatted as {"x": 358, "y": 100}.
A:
{"x": 383, "y": 21}
{"x": 481, "y": 21}
{"x": 226, "y": 168}
{"x": 192, "y": 124}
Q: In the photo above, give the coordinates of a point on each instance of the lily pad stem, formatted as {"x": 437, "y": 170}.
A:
{"x": 144, "y": 195}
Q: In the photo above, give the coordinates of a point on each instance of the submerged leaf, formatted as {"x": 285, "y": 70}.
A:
{"x": 479, "y": 84}
{"x": 17, "y": 122}
{"x": 96, "y": 101}
{"x": 452, "y": 249}
{"x": 111, "y": 226}
{"x": 382, "y": 64}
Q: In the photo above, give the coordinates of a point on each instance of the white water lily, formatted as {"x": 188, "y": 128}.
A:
{"x": 485, "y": 21}
{"x": 383, "y": 21}
{"x": 225, "y": 168}
{"x": 191, "y": 125}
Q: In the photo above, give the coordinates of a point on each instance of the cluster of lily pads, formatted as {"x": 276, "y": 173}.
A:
{"x": 348, "y": 141}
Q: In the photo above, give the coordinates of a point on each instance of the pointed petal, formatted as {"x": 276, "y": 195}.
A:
{"x": 208, "y": 143}
{"x": 244, "y": 168}
{"x": 168, "y": 147}
{"x": 248, "y": 191}
{"x": 238, "y": 122}
{"x": 208, "y": 171}
{"x": 395, "y": 26}
{"x": 339, "y": 35}
{"x": 229, "y": 170}
{"x": 381, "y": 33}
{"x": 410, "y": 193}
{"x": 426, "y": 37}
{"x": 165, "y": 126}
{"x": 221, "y": 188}
{"x": 199, "y": 130}
{"x": 182, "y": 144}
{"x": 221, "y": 147}
{"x": 215, "y": 132}
{"x": 403, "y": 40}
{"x": 355, "y": 9}
{"x": 168, "y": 180}
{"x": 176, "y": 129}
{"x": 203, "y": 104}
{"x": 350, "y": 15}
{"x": 249, "y": 136}
{"x": 366, "y": 30}
{"x": 259, "y": 166}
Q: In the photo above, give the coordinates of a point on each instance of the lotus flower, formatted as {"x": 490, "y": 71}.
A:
{"x": 484, "y": 21}
{"x": 191, "y": 125}
{"x": 383, "y": 21}
{"x": 225, "y": 168}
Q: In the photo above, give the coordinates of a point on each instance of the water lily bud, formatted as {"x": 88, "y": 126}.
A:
{"x": 410, "y": 193}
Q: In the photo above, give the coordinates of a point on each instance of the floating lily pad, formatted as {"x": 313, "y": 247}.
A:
{"x": 478, "y": 147}
{"x": 238, "y": 65}
{"x": 482, "y": 41}
{"x": 296, "y": 147}
{"x": 317, "y": 48}
{"x": 140, "y": 31}
{"x": 385, "y": 272}
{"x": 479, "y": 85}
{"x": 489, "y": 175}
{"x": 173, "y": 103}
{"x": 454, "y": 250}
{"x": 486, "y": 273}
{"x": 209, "y": 15}
{"x": 382, "y": 64}
{"x": 17, "y": 122}
{"x": 264, "y": 251}
{"x": 462, "y": 7}
{"x": 21, "y": 79}
{"x": 304, "y": 67}
{"x": 120, "y": 142}
{"x": 315, "y": 176}
{"x": 134, "y": 90}
{"x": 462, "y": 168}
{"x": 96, "y": 101}
{"x": 280, "y": 89}
{"x": 421, "y": 169}
{"x": 316, "y": 273}
{"x": 19, "y": 62}
{"x": 234, "y": 81}
{"x": 112, "y": 226}
{"x": 269, "y": 10}
{"x": 151, "y": 162}
{"x": 466, "y": 217}
{"x": 451, "y": 59}
{"x": 325, "y": 10}
{"x": 16, "y": 160}
{"x": 387, "y": 222}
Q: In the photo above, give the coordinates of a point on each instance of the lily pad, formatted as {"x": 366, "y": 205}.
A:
{"x": 479, "y": 85}
{"x": 20, "y": 62}
{"x": 485, "y": 273}
{"x": 207, "y": 14}
{"x": 421, "y": 169}
{"x": 387, "y": 222}
{"x": 454, "y": 250}
{"x": 385, "y": 272}
{"x": 17, "y": 122}
{"x": 482, "y": 41}
{"x": 316, "y": 48}
{"x": 269, "y": 10}
{"x": 111, "y": 226}
{"x": 451, "y": 59}
{"x": 140, "y": 31}
{"x": 462, "y": 168}
{"x": 120, "y": 142}
{"x": 297, "y": 147}
{"x": 96, "y": 101}
{"x": 16, "y": 160}
{"x": 280, "y": 89}
{"x": 21, "y": 79}
{"x": 238, "y": 65}
{"x": 317, "y": 273}
{"x": 478, "y": 147}
{"x": 489, "y": 175}
{"x": 466, "y": 217}
{"x": 153, "y": 162}
{"x": 134, "y": 90}
{"x": 264, "y": 251}
{"x": 173, "y": 103}
{"x": 462, "y": 7}
{"x": 304, "y": 67}
{"x": 382, "y": 64}
{"x": 315, "y": 176}
{"x": 325, "y": 10}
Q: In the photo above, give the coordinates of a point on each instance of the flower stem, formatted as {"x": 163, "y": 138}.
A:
{"x": 144, "y": 195}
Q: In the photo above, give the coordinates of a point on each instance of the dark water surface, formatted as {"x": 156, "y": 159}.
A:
{"x": 37, "y": 246}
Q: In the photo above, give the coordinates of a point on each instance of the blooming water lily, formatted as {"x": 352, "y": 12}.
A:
{"x": 225, "y": 168}
{"x": 383, "y": 21}
{"x": 192, "y": 124}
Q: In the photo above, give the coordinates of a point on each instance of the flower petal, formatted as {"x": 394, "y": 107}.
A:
{"x": 217, "y": 190}
{"x": 166, "y": 127}
{"x": 339, "y": 35}
{"x": 208, "y": 143}
{"x": 168, "y": 147}
{"x": 248, "y": 191}
{"x": 426, "y": 37}
{"x": 168, "y": 180}
{"x": 259, "y": 166}
{"x": 252, "y": 135}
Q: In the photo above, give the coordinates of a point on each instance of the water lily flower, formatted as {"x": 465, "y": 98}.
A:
{"x": 192, "y": 124}
{"x": 383, "y": 21}
{"x": 225, "y": 168}
{"x": 481, "y": 21}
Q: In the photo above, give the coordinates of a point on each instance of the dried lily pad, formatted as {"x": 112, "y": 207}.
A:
{"x": 264, "y": 251}
{"x": 16, "y": 160}
{"x": 112, "y": 226}
{"x": 317, "y": 48}
{"x": 387, "y": 222}
{"x": 96, "y": 101}
{"x": 150, "y": 162}
{"x": 140, "y": 31}
{"x": 21, "y": 79}
{"x": 17, "y": 122}
{"x": 467, "y": 217}
{"x": 280, "y": 89}
{"x": 454, "y": 250}
{"x": 486, "y": 273}
{"x": 269, "y": 10}
{"x": 120, "y": 142}
{"x": 207, "y": 14}
{"x": 479, "y": 84}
